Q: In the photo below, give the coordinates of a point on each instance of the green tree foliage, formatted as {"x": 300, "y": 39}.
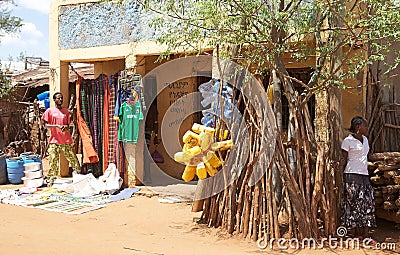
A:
{"x": 21, "y": 57}
{"x": 270, "y": 28}
{"x": 5, "y": 84}
{"x": 8, "y": 24}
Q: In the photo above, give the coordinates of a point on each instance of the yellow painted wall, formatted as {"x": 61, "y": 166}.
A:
{"x": 353, "y": 97}
{"x": 352, "y": 102}
{"x": 108, "y": 67}
{"x": 167, "y": 102}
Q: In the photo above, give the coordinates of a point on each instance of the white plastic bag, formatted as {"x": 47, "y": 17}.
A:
{"x": 87, "y": 185}
{"x": 111, "y": 179}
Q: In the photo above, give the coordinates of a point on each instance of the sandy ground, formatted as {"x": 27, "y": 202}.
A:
{"x": 139, "y": 225}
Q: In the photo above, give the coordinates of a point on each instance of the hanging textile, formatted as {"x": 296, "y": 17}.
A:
{"x": 89, "y": 153}
{"x": 115, "y": 137}
{"x": 129, "y": 105}
{"x": 127, "y": 84}
{"x": 92, "y": 103}
{"x": 112, "y": 122}
{"x": 106, "y": 131}
{"x": 130, "y": 114}
{"x": 97, "y": 100}
{"x": 121, "y": 159}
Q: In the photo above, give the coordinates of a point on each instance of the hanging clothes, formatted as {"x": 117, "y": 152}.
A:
{"x": 92, "y": 103}
{"x": 112, "y": 123}
{"x": 99, "y": 130}
{"x": 130, "y": 114}
{"x": 118, "y": 152}
{"x": 89, "y": 153}
{"x": 105, "y": 125}
{"x": 127, "y": 84}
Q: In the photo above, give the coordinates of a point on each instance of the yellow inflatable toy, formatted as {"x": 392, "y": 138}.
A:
{"x": 198, "y": 152}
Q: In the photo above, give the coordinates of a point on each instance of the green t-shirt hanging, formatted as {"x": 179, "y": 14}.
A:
{"x": 129, "y": 117}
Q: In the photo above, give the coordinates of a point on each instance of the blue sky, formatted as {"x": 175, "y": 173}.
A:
{"x": 33, "y": 39}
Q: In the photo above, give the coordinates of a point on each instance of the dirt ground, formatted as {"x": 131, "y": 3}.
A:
{"x": 139, "y": 225}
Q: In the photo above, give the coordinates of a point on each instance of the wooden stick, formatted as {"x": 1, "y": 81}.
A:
{"x": 290, "y": 214}
{"x": 251, "y": 217}
{"x": 206, "y": 212}
{"x": 306, "y": 167}
{"x": 256, "y": 203}
{"x": 224, "y": 221}
{"x": 231, "y": 208}
{"x": 295, "y": 193}
{"x": 248, "y": 172}
{"x": 391, "y": 126}
{"x": 220, "y": 214}
{"x": 331, "y": 195}
{"x": 269, "y": 198}
{"x": 276, "y": 233}
{"x": 265, "y": 224}
{"x": 386, "y": 154}
{"x": 246, "y": 213}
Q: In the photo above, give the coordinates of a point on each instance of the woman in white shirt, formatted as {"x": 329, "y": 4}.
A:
{"x": 358, "y": 205}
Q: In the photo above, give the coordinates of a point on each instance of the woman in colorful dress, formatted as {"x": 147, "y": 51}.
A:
{"x": 358, "y": 205}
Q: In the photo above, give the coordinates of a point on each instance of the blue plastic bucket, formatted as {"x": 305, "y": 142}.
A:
{"x": 32, "y": 158}
{"x": 29, "y": 159}
{"x": 15, "y": 170}
{"x": 43, "y": 95}
{"x": 15, "y": 178}
{"x": 46, "y": 103}
{"x": 26, "y": 154}
{"x": 3, "y": 169}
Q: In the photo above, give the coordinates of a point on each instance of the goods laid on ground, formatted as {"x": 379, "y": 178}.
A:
{"x": 33, "y": 175}
{"x": 26, "y": 168}
{"x": 55, "y": 200}
{"x": 15, "y": 170}
{"x": 386, "y": 183}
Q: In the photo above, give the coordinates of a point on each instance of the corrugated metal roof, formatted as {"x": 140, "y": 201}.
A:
{"x": 41, "y": 75}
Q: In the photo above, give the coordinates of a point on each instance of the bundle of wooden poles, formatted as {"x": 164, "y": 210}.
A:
{"x": 289, "y": 200}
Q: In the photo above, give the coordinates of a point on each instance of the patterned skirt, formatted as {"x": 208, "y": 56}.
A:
{"x": 358, "y": 205}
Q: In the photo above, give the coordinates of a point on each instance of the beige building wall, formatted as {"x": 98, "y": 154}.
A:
{"x": 353, "y": 97}
{"x": 352, "y": 102}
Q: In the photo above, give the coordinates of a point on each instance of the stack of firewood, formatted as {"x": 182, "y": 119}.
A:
{"x": 386, "y": 182}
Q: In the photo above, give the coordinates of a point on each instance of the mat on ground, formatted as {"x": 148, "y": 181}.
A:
{"x": 52, "y": 200}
